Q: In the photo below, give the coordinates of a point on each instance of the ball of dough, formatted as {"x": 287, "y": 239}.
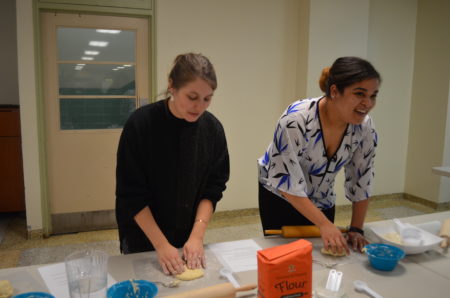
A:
{"x": 190, "y": 274}
{"x": 6, "y": 289}
{"x": 330, "y": 252}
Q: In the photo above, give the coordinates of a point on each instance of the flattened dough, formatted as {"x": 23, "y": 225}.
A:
{"x": 330, "y": 252}
{"x": 393, "y": 237}
{"x": 190, "y": 274}
{"x": 6, "y": 289}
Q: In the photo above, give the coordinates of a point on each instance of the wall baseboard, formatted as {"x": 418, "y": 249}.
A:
{"x": 35, "y": 234}
{"x": 83, "y": 221}
{"x": 428, "y": 203}
{"x": 236, "y": 212}
{"x": 406, "y": 197}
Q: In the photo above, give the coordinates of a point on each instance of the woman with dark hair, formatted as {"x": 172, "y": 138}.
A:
{"x": 172, "y": 166}
{"x": 314, "y": 139}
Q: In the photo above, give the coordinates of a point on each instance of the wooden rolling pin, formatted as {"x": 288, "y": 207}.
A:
{"x": 299, "y": 231}
{"x": 225, "y": 290}
{"x": 445, "y": 233}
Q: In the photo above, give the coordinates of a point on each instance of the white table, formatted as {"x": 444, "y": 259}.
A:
{"x": 424, "y": 275}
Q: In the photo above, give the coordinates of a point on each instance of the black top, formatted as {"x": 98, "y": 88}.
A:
{"x": 170, "y": 165}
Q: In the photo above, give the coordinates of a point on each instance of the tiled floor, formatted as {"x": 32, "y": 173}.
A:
{"x": 16, "y": 250}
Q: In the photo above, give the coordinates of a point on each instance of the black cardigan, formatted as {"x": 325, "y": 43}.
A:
{"x": 170, "y": 165}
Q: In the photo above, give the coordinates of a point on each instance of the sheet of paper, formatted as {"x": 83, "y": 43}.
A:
{"x": 55, "y": 279}
{"x": 237, "y": 255}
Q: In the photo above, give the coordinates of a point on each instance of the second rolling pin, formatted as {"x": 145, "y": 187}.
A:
{"x": 225, "y": 290}
{"x": 299, "y": 231}
{"x": 445, "y": 233}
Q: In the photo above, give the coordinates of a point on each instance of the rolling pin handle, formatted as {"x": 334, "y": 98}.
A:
{"x": 343, "y": 229}
{"x": 445, "y": 233}
{"x": 247, "y": 288}
{"x": 444, "y": 242}
{"x": 273, "y": 232}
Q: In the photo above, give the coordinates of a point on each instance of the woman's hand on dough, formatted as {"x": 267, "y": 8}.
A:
{"x": 333, "y": 240}
{"x": 170, "y": 260}
{"x": 194, "y": 253}
{"x": 357, "y": 241}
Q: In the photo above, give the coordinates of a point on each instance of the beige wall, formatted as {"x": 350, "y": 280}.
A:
{"x": 252, "y": 45}
{"x": 335, "y": 31}
{"x": 444, "y": 190}
{"x": 391, "y": 49}
{"x": 28, "y": 110}
{"x": 429, "y": 106}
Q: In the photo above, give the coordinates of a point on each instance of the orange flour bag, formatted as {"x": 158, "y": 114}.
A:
{"x": 285, "y": 271}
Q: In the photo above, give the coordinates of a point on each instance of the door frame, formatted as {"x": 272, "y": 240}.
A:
{"x": 40, "y": 6}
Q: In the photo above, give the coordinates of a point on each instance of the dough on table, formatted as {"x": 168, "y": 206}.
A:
{"x": 190, "y": 274}
{"x": 393, "y": 237}
{"x": 6, "y": 289}
{"x": 330, "y": 252}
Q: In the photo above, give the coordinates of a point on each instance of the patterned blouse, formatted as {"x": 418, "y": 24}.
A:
{"x": 296, "y": 161}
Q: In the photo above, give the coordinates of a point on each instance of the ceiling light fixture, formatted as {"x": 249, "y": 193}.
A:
{"x": 97, "y": 43}
{"x": 91, "y": 53}
{"x": 108, "y": 31}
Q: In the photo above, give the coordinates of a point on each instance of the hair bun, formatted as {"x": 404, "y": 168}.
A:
{"x": 324, "y": 78}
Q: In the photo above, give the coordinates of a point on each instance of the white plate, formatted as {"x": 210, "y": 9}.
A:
{"x": 430, "y": 241}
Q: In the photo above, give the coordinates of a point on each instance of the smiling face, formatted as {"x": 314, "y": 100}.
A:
{"x": 190, "y": 101}
{"x": 353, "y": 105}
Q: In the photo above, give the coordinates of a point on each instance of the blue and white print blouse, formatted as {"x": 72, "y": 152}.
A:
{"x": 296, "y": 161}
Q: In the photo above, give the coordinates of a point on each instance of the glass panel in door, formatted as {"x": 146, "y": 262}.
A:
{"x": 96, "y": 77}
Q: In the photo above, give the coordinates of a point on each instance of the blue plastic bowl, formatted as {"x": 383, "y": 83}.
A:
{"x": 34, "y": 295}
{"x": 136, "y": 288}
{"x": 383, "y": 256}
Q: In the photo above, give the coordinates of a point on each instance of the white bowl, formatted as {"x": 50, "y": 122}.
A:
{"x": 430, "y": 241}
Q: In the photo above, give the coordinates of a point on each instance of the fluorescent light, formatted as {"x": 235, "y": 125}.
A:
{"x": 96, "y": 43}
{"x": 87, "y": 58}
{"x": 78, "y": 67}
{"x": 114, "y": 69}
{"x": 108, "y": 31}
{"x": 127, "y": 65}
{"x": 81, "y": 64}
{"x": 120, "y": 67}
{"x": 91, "y": 53}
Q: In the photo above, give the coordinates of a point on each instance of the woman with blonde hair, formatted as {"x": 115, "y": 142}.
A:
{"x": 172, "y": 167}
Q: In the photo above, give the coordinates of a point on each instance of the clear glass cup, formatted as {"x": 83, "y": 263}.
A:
{"x": 87, "y": 273}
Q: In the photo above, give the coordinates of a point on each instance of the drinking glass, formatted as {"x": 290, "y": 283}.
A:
{"x": 87, "y": 273}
